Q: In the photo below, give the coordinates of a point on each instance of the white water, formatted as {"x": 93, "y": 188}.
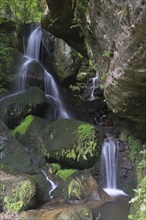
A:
{"x": 92, "y": 84}
{"x": 51, "y": 91}
{"x": 53, "y": 185}
{"x": 110, "y": 160}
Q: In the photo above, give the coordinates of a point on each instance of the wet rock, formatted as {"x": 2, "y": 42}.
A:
{"x": 62, "y": 212}
{"x": 17, "y": 192}
{"x": 14, "y": 107}
{"x": 81, "y": 187}
{"x": 35, "y": 75}
{"x": 13, "y": 156}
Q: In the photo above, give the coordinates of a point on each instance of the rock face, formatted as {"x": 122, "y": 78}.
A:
{"x": 53, "y": 22}
{"x": 114, "y": 34}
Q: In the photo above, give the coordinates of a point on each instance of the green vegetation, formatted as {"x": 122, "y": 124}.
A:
{"x": 21, "y": 196}
{"x": 106, "y": 53}
{"x": 56, "y": 167}
{"x": 138, "y": 210}
{"x": 21, "y": 11}
{"x": 62, "y": 173}
{"x": 86, "y": 144}
{"x": 135, "y": 144}
{"x": 75, "y": 189}
{"x": 21, "y": 129}
{"x": 6, "y": 59}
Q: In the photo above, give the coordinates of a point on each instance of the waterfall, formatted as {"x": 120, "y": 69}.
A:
{"x": 32, "y": 54}
{"x": 92, "y": 84}
{"x": 53, "y": 185}
{"x": 110, "y": 159}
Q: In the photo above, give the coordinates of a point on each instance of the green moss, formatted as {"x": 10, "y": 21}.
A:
{"x": 138, "y": 208}
{"x": 20, "y": 198}
{"x": 21, "y": 129}
{"x": 63, "y": 174}
{"x": 75, "y": 189}
{"x": 86, "y": 144}
{"x": 56, "y": 167}
{"x": 135, "y": 144}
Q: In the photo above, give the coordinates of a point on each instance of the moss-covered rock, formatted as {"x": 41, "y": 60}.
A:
{"x": 15, "y": 107}
{"x": 67, "y": 141}
{"x": 17, "y": 192}
{"x": 13, "y": 156}
{"x": 80, "y": 187}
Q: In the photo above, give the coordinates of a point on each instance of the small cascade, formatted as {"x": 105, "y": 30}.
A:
{"x": 53, "y": 185}
{"x": 92, "y": 84}
{"x": 32, "y": 54}
{"x": 110, "y": 161}
{"x": 110, "y": 158}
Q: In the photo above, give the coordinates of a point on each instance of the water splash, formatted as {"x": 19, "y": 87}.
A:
{"x": 53, "y": 185}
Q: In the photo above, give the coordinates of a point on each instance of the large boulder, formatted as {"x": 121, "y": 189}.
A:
{"x": 68, "y": 141}
{"x": 16, "y": 106}
{"x": 80, "y": 187}
{"x": 13, "y": 156}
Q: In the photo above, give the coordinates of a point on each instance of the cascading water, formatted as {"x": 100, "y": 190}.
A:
{"x": 92, "y": 84}
{"x": 109, "y": 159}
{"x": 53, "y": 185}
{"x": 51, "y": 91}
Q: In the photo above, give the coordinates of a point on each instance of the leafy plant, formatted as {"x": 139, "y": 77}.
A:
{"x": 139, "y": 200}
{"x": 20, "y": 197}
{"x": 106, "y": 53}
{"x": 135, "y": 144}
{"x": 86, "y": 144}
{"x": 21, "y": 11}
{"x": 64, "y": 173}
{"x": 21, "y": 129}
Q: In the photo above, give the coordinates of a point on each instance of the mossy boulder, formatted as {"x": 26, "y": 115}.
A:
{"x": 17, "y": 192}
{"x": 13, "y": 156}
{"x": 80, "y": 187}
{"x": 29, "y": 133}
{"x": 68, "y": 141}
{"x": 16, "y": 106}
{"x": 73, "y": 142}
